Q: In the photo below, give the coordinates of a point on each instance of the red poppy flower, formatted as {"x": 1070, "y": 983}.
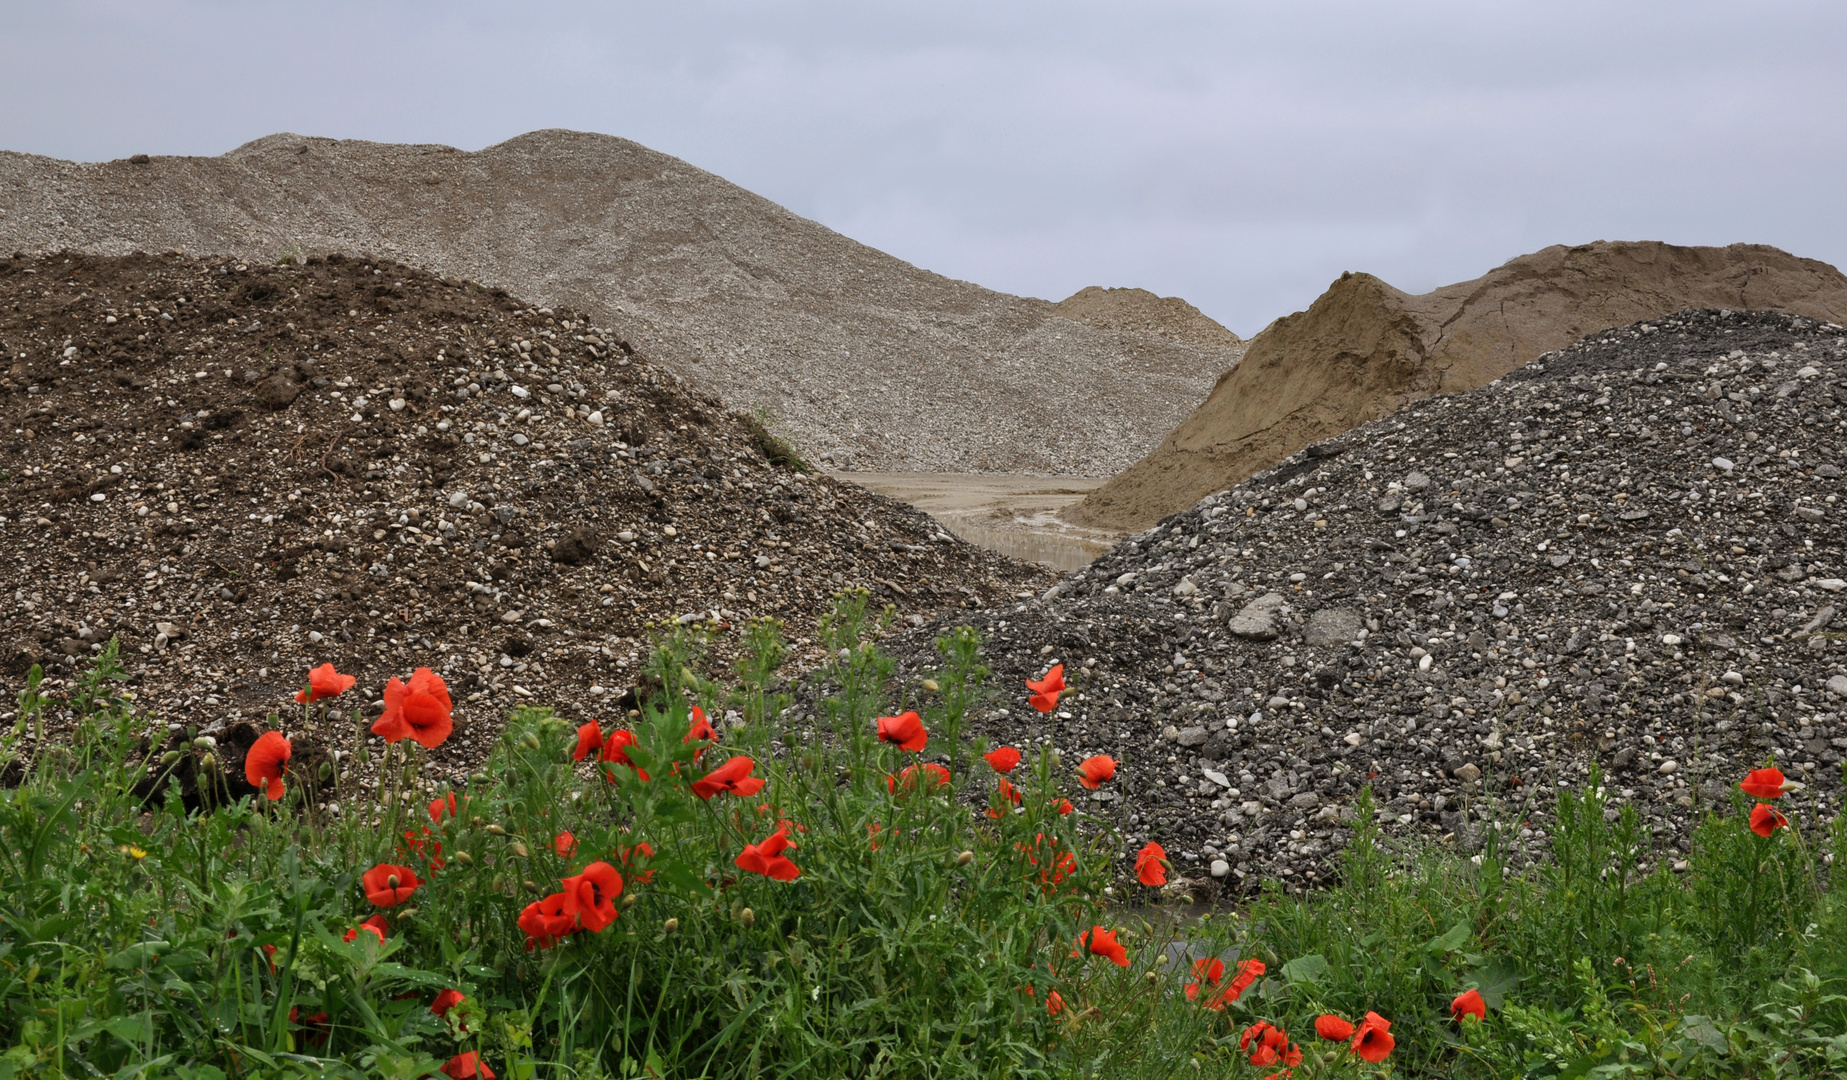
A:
{"x": 421, "y": 845}
{"x": 700, "y": 728}
{"x": 315, "y": 1029}
{"x": 766, "y": 857}
{"x": 564, "y": 844}
{"x": 1469, "y": 1003}
{"x": 589, "y": 737}
{"x": 1272, "y": 1045}
{"x": 733, "y": 776}
{"x": 1373, "y": 1041}
{"x": 419, "y": 710}
{"x": 640, "y": 851}
{"x": 1095, "y": 770}
{"x": 613, "y": 752}
{"x": 468, "y": 1066}
{"x": 1103, "y": 943}
{"x": 1249, "y": 971}
{"x": 1054, "y": 1002}
{"x": 1764, "y": 784}
{"x": 376, "y": 926}
{"x": 1207, "y": 971}
{"x": 1151, "y": 865}
{"x": 591, "y": 896}
{"x": 1046, "y": 690}
{"x": 324, "y": 682}
{"x": 1765, "y": 820}
{"x": 1333, "y": 1028}
{"x": 388, "y": 885}
{"x": 442, "y": 807}
{"x": 1009, "y": 792}
{"x": 1062, "y": 863}
{"x": 266, "y": 761}
{"x": 445, "y": 1001}
{"x": 934, "y": 776}
{"x": 1063, "y": 806}
{"x": 906, "y": 730}
{"x": 1003, "y": 759}
{"x": 269, "y": 953}
{"x": 546, "y": 922}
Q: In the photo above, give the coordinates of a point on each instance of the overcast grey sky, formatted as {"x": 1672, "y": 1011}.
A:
{"x": 1238, "y": 154}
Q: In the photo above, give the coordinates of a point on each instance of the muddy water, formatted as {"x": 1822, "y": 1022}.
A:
{"x": 1014, "y": 515}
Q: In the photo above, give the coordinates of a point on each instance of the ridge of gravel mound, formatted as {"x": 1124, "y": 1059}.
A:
{"x": 865, "y": 361}
{"x": 1627, "y": 554}
{"x": 241, "y": 471}
{"x": 1364, "y": 349}
{"x": 1138, "y": 311}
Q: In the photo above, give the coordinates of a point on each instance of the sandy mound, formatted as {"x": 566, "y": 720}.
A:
{"x": 867, "y": 361}
{"x": 243, "y": 472}
{"x": 1364, "y": 349}
{"x": 1138, "y": 311}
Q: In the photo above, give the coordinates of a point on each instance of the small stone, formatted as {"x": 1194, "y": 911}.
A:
{"x": 1306, "y": 800}
{"x": 396, "y": 404}
{"x": 595, "y": 418}
{"x": 521, "y": 393}
{"x": 1668, "y": 767}
{"x": 1837, "y": 686}
{"x": 578, "y": 546}
{"x": 1192, "y": 736}
{"x": 1670, "y": 640}
{"x": 1257, "y": 620}
{"x": 1186, "y": 587}
{"x": 1811, "y": 513}
{"x": 1832, "y": 584}
{"x": 627, "y": 536}
{"x": 1723, "y": 464}
{"x": 520, "y": 439}
{"x": 1170, "y": 733}
{"x": 1353, "y": 738}
{"x": 1468, "y": 772}
{"x": 1220, "y": 868}
{"x": 1125, "y": 580}
{"x": 276, "y": 392}
{"x": 1334, "y": 626}
{"x": 1416, "y": 481}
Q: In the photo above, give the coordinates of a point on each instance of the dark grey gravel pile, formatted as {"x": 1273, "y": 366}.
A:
{"x": 1626, "y": 555}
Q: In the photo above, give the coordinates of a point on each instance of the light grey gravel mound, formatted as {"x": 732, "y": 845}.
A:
{"x": 1627, "y": 555}
{"x": 866, "y": 361}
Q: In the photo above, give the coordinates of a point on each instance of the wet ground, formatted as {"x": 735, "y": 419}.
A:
{"x": 1014, "y": 515}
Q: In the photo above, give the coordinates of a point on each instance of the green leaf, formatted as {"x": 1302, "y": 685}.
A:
{"x": 676, "y": 874}
{"x": 1456, "y": 938}
{"x": 1311, "y": 969}
{"x": 1495, "y": 979}
{"x": 140, "y": 955}
{"x": 1703, "y": 1031}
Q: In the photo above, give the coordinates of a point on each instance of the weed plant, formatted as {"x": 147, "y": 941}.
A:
{"x": 842, "y": 892}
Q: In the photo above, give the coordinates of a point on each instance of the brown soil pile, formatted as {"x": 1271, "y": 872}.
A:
{"x": 1138, "y": 311}
{"x": 1364, "y": 349}
{"x": 241, "y": 472}
{"x": 865, "y": 361}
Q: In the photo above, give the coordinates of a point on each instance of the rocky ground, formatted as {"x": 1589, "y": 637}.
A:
{"x": 1626, "y": 555}
{"x": 240, "y": 471}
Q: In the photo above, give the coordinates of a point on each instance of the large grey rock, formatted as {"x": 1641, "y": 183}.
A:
{"x": 1259, "y": 620}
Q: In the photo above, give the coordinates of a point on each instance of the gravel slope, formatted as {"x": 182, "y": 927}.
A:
{"x": 866, "y": 361}
{"x": 1627, "y": 554}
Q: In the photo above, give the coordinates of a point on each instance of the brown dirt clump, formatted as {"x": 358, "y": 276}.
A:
{"x": 240, "y": 471}
{"x": 862, "y": 360}
{"x": 1364, "y": 349}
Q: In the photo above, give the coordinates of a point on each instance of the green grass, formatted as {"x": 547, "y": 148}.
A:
{"x": 133, "y": 935}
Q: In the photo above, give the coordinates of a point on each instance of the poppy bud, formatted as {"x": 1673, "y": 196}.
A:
{"x": 1054, "y": 756}
{"x": 168, "y": 759}
{"x": 531, "y": 886}
{"x": 392, "y": 881}
{"x": 519, "y": 849}
{"x": 965, "y": 858}
{"x": 478, "y": 778}
{"x": 530, "y": 741}
{"x": 1153, "y": 978}
{"x": 671, "y": 926}
{"x": 205, "y": 742}
{"x": 464, "y": 858}
{"x": 326, "y": 771}
{"x": 629, "y": 899}
{"x": 494, "y": 830}
{"x": 931, "y": 685}
{"x": 747, "y": 917}
{"x": 208, "y": 763}
{"x": 687, "y": 676}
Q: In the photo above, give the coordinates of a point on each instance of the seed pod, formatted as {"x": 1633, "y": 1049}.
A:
{"x": 531, "y": 886}
{"x": 520, "y": 849}
{"x": 464, "y": 858}
{"x": 629, "y": 899}
{"x": 1153, "y": 978}
{"x": 747, "y": 917}
{"x": 493, "y": 830}
{"x": 530, "y": 741}
{"x": 931, "y": 685}
{"x": 965, "y": 858}
{"x": 671, "y": 926}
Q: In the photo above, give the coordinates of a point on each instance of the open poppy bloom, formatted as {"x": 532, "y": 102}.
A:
{"x": 1063, "y": 806}
{"x": 315, "y": 1028}
{"x": 546, "y": 921}
{"x": 1103, "y": 943}
{"x": 1373, "y": 1041}
{"x": 1269, "y": 1045}
{"x": 1765, "y": 784}
{"x": 1469, "y": 1003}
{"x": 422, "y": 845}
{"x": 1207, "y": 971}
{"x": 639, "y": 852}
{"x": 700, "y": 728}
{"x": 589, "y": 737}
{"x": 1765, "y": 820}
{"x": 443, "y": 806}
{"x": 1249, "y": 971}
{"x": 324, "y": 682}
{"x": 1046, "y": 690}
{"x": 1058, "y": 864}
{"x": 613, "y": 752}
{"x": 766, "y": 857}
{"x": 1151, "y": 869}
{"x": 564, "y": 844}
{"x": 265, "y": 763}
{"x": 468, "y": 1066}
{"x": 1095, "y": 770}
{"x": 930, "y": 774}
{"x": 375, "y": 926}
{"x": 388, "y": 885}
{"x": 1333, "y": 1028}
{"x": 1003, "y": 759}
{"x": 1054, "y": 1002}
{"x": 591, "y": 896}
{"x": 906, "y": 730}
{"x": 733, "y": 776}
{"x": 445, "y": 1001}
{"x": 419, "y": 710}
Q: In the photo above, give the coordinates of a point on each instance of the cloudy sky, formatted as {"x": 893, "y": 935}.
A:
{"x": 1238, "y": 154}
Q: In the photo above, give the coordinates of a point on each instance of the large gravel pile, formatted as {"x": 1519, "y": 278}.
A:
{"x": 1627, "y": 554}
{"x": 867, "y": 361}
{"x": 240, "y": 471}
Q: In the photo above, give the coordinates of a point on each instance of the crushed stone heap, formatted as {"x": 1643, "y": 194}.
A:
{"x": 1364, "y": 349}
{"x": 1626, "y": 555}
{"x": 244, "y": 470}
{"x": 867, "y": 362}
